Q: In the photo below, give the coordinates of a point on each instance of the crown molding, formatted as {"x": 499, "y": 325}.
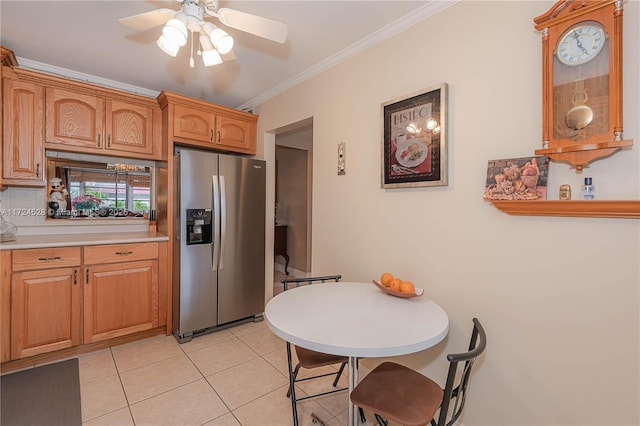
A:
{"x": 86, "y": 78}
{"x": 401, "y": 24}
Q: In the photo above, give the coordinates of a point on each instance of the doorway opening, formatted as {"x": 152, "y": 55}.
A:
{"x": 293, "y": 201}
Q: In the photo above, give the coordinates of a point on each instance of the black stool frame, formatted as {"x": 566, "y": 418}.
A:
{"x": 293, "y": 372}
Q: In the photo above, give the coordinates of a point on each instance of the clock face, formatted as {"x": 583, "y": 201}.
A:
{"x": 580, "y": 43}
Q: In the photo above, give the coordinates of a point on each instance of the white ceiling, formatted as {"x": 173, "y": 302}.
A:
{"x": 85, "y": 37}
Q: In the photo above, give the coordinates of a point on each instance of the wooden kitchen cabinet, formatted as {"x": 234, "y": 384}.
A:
{"x": 196, "y": 122}
{"x": 23, "y": 159}
{"x": 74, "y": 119}
{"x": 217, "y": 130}
{"x": 5, "y": 305}
{"x": 62, "y": 297}
{"x": 45, "y": 300}
{"x": 49, "y": 112}
{"x": 120, "y": 292}
{"x": 86, "y": 121}
{"x": 129, "y": 127}
{"x": 190, "y": 123}
{"x": 235, "y": 134}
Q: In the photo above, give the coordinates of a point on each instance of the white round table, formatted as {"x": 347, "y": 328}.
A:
{"x": 355, "y": 320}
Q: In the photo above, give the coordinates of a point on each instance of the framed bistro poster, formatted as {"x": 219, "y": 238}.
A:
{"x": 414, "y": 139}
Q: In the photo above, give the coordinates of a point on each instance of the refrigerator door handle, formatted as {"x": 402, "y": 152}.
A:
{"x": 223, "y": 220}
{"x": 216, "y": 225}
{"x": 178, "y": 215}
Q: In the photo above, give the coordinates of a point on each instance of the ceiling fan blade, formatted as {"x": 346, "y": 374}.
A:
{"x": 146, "y": 20}
{"x": 262, "y": 27}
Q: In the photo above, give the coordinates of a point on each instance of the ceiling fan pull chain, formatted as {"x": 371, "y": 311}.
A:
{"x": 191, "y": 61}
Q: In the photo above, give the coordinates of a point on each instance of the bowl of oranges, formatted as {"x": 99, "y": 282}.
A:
{"x": 397, "y": 287}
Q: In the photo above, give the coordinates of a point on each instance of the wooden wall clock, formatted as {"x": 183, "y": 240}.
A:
{"x": 581, "y": 81}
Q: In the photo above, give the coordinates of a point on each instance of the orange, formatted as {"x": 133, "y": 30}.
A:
{"x": 385, "y": 279}
{"x": 395, "y": 284}
{"x": 407, "y": 287}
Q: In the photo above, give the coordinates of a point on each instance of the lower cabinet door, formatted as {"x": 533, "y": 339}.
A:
{"x": 45, "y": 311}
{"x": 119, "y": 299}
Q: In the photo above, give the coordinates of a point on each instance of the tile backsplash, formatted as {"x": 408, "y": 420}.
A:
{"x": 26, "y": 208}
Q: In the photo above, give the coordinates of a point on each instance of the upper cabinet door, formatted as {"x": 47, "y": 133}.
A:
{"x": 194, "y": 124}
{"x": 74, "y": 119}
{"x": 235, "y": 134}
{"x": 23, "y": 134}
{"x": 129, "y": 127}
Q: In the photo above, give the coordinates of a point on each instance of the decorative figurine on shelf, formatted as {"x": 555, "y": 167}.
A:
{"x": 522, "y": 178}
{"x": 57, "y": 197}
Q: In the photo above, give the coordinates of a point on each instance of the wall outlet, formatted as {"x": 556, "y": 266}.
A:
{"x": 342, "y": 155}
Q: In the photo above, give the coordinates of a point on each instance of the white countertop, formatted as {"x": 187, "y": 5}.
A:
{"x": 66, "y": 240}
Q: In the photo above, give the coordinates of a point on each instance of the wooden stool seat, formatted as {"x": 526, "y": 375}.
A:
{"x": 312, "y": 359}
{"x": 400, "y": 394}
{"x": 395, "y": 392}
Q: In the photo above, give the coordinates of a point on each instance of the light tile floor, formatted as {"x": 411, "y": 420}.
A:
{"x": 236, "y": 376}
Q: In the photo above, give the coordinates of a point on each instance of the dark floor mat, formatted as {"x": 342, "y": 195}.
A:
{"x": 43, "y": 396}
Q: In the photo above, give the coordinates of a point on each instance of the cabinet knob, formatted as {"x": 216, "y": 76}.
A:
{"x": 124, "y": 253}
{"x": 37, "y": 169}
{"x": 211, "y": 137}
{"x": 98, "y": 140}
{"x": 108, "y": 141}
{"x": 219, "y": 136}
{"x": 75, "y": 277}
{"x": 87, "y": 276}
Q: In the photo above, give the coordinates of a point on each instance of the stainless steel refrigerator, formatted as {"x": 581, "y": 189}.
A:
{"x": 219, "y": 249}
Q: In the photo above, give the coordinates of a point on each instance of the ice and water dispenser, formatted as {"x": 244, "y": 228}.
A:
{"x": 199, "y": 229}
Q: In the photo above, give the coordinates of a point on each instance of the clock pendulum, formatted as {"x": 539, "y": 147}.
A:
{"x": 580, "y": 115}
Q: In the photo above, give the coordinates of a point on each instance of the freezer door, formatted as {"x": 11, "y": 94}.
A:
{"x": 241, "y": 274}
{"x": 198, "y": 300}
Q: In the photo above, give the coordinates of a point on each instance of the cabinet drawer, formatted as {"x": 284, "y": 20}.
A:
{"x": 47, "y": 258}
{"x": 113, "y": 253}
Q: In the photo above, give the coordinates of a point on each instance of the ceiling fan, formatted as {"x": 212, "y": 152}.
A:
{"x": 212, "y": 41}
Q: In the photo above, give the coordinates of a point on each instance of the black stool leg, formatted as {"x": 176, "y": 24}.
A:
{"x": 292, "y": 388}
{"x": 295, "y": 376}
{"x": 363, "y": 419}
{"x": 335, "y": 381}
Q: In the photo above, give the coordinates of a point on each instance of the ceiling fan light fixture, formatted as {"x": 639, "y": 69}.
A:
{"x": 211, "y": 57}
{"x": 175, "y": 32}
{"x": 221, "y": 40}
{"x": 214, "y": 43}
{"x": 205, "y": 42}
{"x": 167, "y": 47}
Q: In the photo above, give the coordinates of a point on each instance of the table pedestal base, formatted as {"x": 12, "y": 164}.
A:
{"x": 354, "y": 419}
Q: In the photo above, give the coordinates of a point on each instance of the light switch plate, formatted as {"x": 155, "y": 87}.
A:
{"x": 342, "y": 155}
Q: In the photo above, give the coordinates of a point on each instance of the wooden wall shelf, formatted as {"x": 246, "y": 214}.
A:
{"x": 581, "y": 155}
{"x": 629, "y": 209}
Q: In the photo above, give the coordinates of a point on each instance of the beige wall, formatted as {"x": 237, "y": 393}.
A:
{"x": 559, "y": 297}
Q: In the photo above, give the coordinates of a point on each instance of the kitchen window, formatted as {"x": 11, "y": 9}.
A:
{"x": 119, "y": 190}
{"x": 101, "y": 189}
